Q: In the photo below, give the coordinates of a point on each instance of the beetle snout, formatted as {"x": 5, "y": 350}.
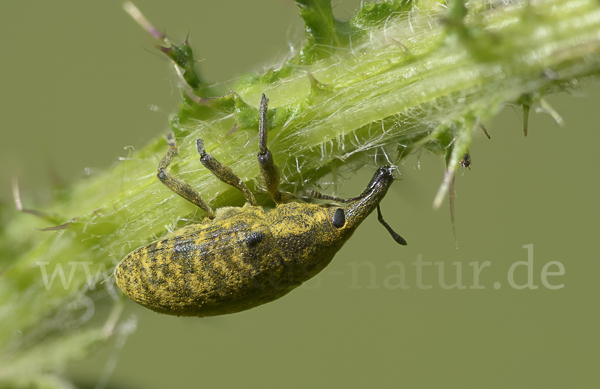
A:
{"x": 383, "y": 177}
{"x": 384, "y": 173}
{"x": 368, "y": 200}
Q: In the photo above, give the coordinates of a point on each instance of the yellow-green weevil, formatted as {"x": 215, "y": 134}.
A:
{"x": 242, "y": 257}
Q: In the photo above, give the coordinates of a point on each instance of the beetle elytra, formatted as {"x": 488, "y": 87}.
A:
{"x": 242, "y": 257}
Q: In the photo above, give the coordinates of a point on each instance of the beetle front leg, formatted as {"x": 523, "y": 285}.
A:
{"x": 177, "y": 185}
{"x": 268, "y": 170}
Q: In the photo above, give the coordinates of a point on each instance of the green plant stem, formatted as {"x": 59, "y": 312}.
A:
{"x": 416, "y": 77}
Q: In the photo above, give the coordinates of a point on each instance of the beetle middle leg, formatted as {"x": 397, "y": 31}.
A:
{"x": 268, "y": 170}
{"x": 223, "y": 172}
{"x": 177, "y": 185}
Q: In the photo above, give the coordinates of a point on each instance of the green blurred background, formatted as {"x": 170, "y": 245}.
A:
{"x": 81, "y": 81}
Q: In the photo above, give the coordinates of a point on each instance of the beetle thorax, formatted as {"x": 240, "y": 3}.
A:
{"x": 305, "y": 234}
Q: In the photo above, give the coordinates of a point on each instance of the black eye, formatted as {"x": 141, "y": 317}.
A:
{"x": 339, "y": 219}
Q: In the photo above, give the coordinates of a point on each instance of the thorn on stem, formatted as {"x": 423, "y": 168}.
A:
{"x": 451, "y": 196}
{"x": 547, "y": 108}
{"x": 63, "y": 226}
{"x": 484, "y": 130}
{"x": 398, "y": 43}
{"x": 137, "y": 15}
{"x": 165, "y": 50}
{"x": 19, "y": 204}
{"x": 526, "y": 109}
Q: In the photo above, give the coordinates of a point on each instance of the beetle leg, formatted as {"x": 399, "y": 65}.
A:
{"x": 268, "y": 170}
{"x": 223, "y": 172}
{"x": 178, "y": 186}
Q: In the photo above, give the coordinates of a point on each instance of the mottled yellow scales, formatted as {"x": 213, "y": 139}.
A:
{"x": 240, "y": 258}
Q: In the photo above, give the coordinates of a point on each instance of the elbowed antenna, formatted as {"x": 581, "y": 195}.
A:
{"x": 394, "y": 234}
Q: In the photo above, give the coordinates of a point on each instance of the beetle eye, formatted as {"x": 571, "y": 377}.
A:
{"x": 339, "y": 219}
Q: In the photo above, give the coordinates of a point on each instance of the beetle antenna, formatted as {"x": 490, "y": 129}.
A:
{"x": 395, "y": 236}
{"x": 321, "y": 196}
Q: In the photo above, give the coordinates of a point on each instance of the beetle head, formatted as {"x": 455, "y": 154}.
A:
{"x": 348, "y": 218}
{"x": 362, "y": 206}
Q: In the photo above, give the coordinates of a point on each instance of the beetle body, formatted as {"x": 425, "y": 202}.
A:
{"x": 242, "y": 257}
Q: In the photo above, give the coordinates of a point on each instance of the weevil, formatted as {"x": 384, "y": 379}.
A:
{"x": 238, "y": 258}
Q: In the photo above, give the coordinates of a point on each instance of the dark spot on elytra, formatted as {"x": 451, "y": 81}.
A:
{"x": 184, "y": 248}
{"x": 254, "y": 239}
